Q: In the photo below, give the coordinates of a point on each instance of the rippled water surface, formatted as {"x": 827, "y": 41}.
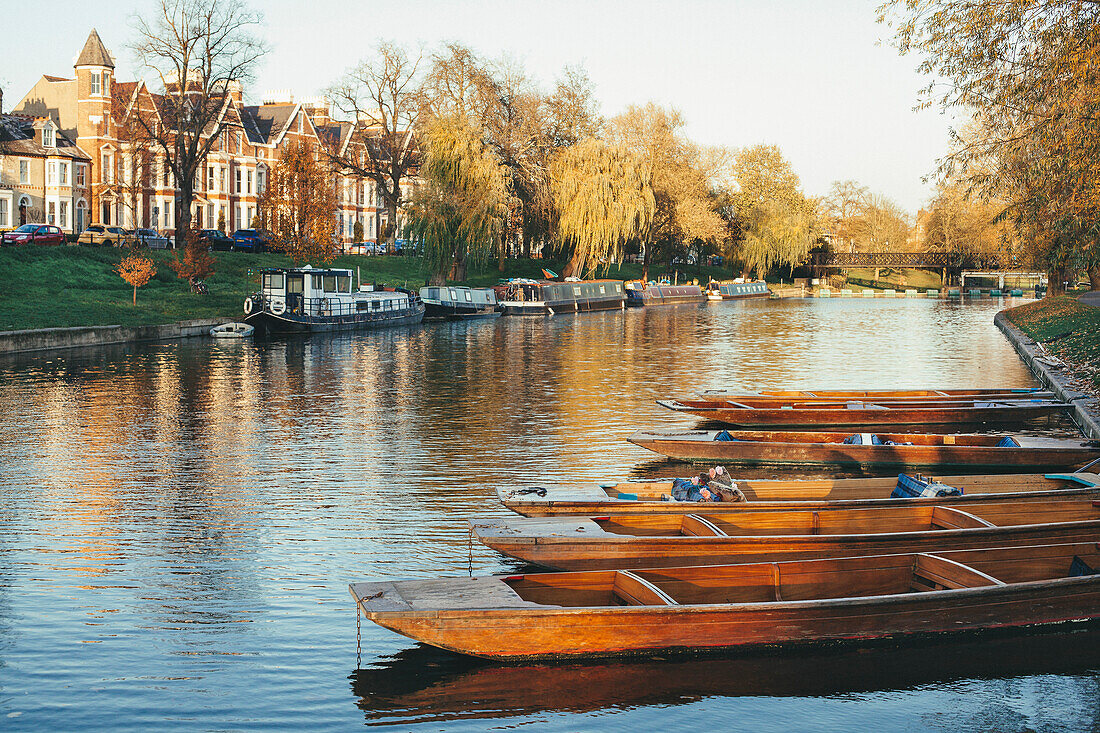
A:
{"x": 179, "y": 524}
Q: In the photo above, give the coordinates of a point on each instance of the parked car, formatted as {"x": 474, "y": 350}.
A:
{"x": 34, "y": 234}
{"x": 99, "y": 235}
{"x": 216, "y": 239}
{"x": 149, "y": 238}
{"x": 252, "y": 240}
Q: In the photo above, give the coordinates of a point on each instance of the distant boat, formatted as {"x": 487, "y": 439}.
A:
{"x": 1004, "y": 453}
{"x": 922, "y": 395}
{"x": 232, "y": 331}
{"x": 544, "y": 298}
{"x": 734, "y": 290}
{"x": 306, "y": 299}
{"x": 454, "y": 302}
{"x": 799, "y": 413}
{"x": 722, "y": 607}
{"x": 641, "y": 294}
{"x": 653, "y": 497}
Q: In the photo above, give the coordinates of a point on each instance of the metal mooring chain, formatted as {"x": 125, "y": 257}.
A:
{"x": 358, "y": 638}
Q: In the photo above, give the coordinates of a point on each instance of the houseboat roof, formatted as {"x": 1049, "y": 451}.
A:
{"x": 309, "y": 270}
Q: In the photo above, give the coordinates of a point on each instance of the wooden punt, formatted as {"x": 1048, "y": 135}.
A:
{"x": 724, "y": 607}
{"x": 883, "y": 450}
{"x": 644, "y": 497}
{"x": 796, "y": 414}
{"x": 881, "y": 394}
{"x": 661, "y": 540}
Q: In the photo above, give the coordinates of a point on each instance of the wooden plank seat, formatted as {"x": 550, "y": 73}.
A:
{"x": 937, "y": 573}
{"x": 945, "y": 517}
{"x": 696, "y": 526}
{"x": 635, "y": 591}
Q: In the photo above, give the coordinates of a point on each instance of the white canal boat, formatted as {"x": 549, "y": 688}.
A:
{"x": 306, "y": 299}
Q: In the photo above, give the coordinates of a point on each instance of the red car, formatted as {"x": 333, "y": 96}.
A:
{"x": 34, "y": 234}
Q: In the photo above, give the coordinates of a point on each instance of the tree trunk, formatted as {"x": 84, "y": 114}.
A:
{"x": 1094, "y": 278}
{"x": 1054, "y": 284}
{"x": 645, "y": 262}
{"x": 575, "y": 265}
{"x": 183, "y": 211}
{"x": 135, "y": 295}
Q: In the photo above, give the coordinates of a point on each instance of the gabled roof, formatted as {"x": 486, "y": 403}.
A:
{"x": 272, "y": 119}
{"x": 17, "y": 138}
{"x": 251, "y": 126}
{"x": 94, "y": 53}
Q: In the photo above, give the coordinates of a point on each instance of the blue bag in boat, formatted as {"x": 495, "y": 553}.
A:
{"x": 912, "y": 487}
{"x": 725, "y": 436}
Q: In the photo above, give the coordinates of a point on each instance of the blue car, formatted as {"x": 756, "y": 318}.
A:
{"x": 252, "y": 240}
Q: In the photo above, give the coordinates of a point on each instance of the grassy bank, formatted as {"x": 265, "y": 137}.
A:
{"x": 1068, "y": 329}
{"x": 47, "y": 287}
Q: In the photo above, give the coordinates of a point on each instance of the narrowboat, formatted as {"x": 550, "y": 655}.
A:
{"x": 615, "y": 541}
{"x": 641, "y": 294}
{"x": 547, "y": 298}
{"x": 307, "y": 299}
{"x": 724, "y": 607}
{"x": 799, "y": 413}
{"x": 455, "y": 302}
{"x": 734, "y": 290}
{"x": 1002, "y": 453}
{"x": 655, "y": 497}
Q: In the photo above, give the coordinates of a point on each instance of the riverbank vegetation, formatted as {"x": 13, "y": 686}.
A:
{"x": 50, "y": 287}
{"x": 1066, "y": 328}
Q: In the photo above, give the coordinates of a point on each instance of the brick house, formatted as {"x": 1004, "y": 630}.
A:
{"x": 129, "y": 184}
{"x": 43, "y": 174}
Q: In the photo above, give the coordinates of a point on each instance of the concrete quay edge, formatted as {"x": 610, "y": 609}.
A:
{"x": 48, "y": 339}
{"x": 1054, "y": 379}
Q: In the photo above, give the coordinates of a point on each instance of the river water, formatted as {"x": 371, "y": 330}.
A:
{"x": 179, "y": 524}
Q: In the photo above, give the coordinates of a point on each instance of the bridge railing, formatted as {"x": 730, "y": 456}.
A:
{"x": 994, "y": 261}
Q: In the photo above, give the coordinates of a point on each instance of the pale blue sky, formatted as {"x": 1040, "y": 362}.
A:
{"x": 808, "y": 76}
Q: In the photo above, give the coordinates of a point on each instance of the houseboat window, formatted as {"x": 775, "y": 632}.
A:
{"x": 273, "y": 281}
{"x": 576, "y": 290}
{"x": 294, "y": 283}
{"x": 601, "y": 290}
{"x": 329, "y": 282}
{"x": 343, "y": 283}
{"x": 469, "y": 298}
{"x": 454, "y": 295}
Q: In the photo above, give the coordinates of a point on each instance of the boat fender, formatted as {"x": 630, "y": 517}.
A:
{"x": 248, "y": 306}
{"x": 278, "y": 307}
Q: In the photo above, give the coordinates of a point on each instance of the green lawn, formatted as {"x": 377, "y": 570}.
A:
{"x": 1067, "y": 328}
{"x": 46, "y": 287}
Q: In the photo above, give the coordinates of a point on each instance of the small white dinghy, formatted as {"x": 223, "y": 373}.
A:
{"x": 232, "y": 331}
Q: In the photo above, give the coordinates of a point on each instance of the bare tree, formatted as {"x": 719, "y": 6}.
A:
{"x": 382, "y": 97}
{"x": 201, "y": 50}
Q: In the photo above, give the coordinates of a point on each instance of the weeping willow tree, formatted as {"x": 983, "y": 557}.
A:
{"x": 604, "y": 198}
{"x": 458, "y": 214}
{"x": 777, "y": 233}
{"x": 777, "y": 222}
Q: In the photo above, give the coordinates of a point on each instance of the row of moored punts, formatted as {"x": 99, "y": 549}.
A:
{"x": 638, "y": 568}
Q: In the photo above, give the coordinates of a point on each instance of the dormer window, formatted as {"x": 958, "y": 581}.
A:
{"x": 48, "y": 139}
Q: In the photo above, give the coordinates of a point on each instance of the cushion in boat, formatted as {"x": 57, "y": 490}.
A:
{"x": 1079, "y": 567}
{"x": 1008, "y": 442}
{"x": 725, "y": 435}
{"x": 911, "y": 487}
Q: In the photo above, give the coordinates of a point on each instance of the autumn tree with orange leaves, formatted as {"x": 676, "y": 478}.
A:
{"x": 136, "y": 270}
{"x": 299, "y": 205}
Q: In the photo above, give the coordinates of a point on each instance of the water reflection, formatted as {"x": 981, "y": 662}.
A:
{"x": 182, "y": 519}
{"x": 426, "y": 685}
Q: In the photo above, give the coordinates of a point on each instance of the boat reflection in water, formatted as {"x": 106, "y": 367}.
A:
{"x": 422, "y": 684}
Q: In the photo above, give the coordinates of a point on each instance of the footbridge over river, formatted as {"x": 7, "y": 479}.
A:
{"x": 941, "y": 260}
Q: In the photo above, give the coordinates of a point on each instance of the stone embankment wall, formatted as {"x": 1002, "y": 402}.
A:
{"x": 12, "y": 342}
{"x": 1055, "y": 378}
